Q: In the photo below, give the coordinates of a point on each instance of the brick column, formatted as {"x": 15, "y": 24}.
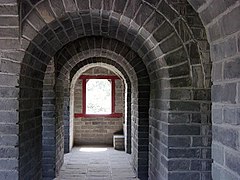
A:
{"x": 9, "y": 78}
{"x": 48, "y": 123}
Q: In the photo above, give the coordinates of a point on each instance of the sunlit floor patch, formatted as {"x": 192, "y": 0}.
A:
{"x": 96, "y": 163}
{"x": 92, "y": 149}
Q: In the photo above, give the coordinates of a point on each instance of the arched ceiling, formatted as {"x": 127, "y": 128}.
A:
{"x": 156, "y": 31}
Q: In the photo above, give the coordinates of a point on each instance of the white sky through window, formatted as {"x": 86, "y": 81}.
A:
{"x": 98, "y": 96}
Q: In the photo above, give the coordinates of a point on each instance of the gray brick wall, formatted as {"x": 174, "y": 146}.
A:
{"x": 223, "y": 30}
{"x": 9, "y": 90}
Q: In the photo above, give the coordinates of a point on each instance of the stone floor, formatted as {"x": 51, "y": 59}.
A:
{"x": 96, "y": 163}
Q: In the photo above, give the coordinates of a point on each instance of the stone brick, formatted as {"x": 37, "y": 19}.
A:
{"x": 238, "y": 42}
{"x": 217, "y": 116}
{"x": 168, "y": 12}
{"x": 202, "y": 94}
{"x": 232, "y": 116}
{"x": 232, "y": 161}
{"x": 184, "y": 153}
{"x": 218, "y": 153}
{"x": 178, "y": 118}
{"x": 217, "y": 73}
{"x": 199, "y": 165}
{"x": 212, "y": 11}
{"x": 141, "y": 18}
{"x": 9, "y": 117}
{"x": 229, "y": 24}
{"x": 57, "y": 7}
{"x": 8, "y": 140}
{"x": 9, "y": 175}
{"x": 9, "y": 129}
{"x": 226, "y": 93}
{"x": 184, "y": 175}
{"x": 3, "y": 2}
{"x": 231, "y": 69}
{"x": 183, "y": 130}
{"x": 45, "y": 11}
{"x": 216, "y": 172}
{"x": 227, "y": 136}
{"x": 224, "y": 49}
{"x": 9, "y": 43}
{"x": 185, "y": 106}
{"x": 8, "y": 104}
{"x": 178, "y": 165}
{"x": 8, "y": 164}
{"x": 9, "y": 66}
{"x": 9, "y": 21}
{"x": 197, "y": 3}
{"x": 9, "y": 32}
{"x": 8, "y": 152}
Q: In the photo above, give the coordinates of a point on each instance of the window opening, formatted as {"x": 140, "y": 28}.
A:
{"x": 98, "y": 96}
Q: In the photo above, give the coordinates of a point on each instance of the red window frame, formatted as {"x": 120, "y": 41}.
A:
{"x": 84, "y": 79}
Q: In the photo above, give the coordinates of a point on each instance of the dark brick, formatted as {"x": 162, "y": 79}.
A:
{"x": 201, "y": 165}
{"x": 169, "y": 13}
{"x": 132, "y": 7}
{"x": 183, "y": 130}
{"x": 107, "y": 4}
{"x": 184, "y": 153}
{"x": 202, "y": 94}
{"x": 184, "y": 106}
{"x": 178, "y": 117}
{"x": 201, "y": 141}
{"x": 178, "y": 165}
{"x": 154, "y": 22}
{"x": 184, "y": 175}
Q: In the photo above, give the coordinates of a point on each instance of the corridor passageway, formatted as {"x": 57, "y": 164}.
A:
{"x": 96, "y": 163}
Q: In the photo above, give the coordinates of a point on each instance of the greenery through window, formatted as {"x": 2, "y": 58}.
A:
{"x": 98, "y": 96}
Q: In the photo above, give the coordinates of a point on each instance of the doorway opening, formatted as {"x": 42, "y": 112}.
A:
{"x": 99, "y": 107}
